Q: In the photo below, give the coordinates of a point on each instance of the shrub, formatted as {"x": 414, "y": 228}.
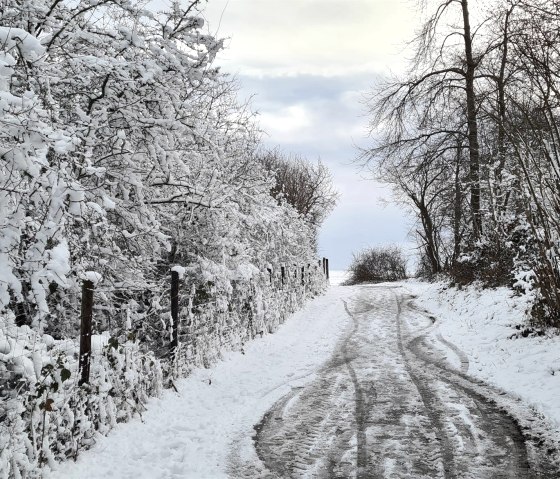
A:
{"x": 377, "y": 264}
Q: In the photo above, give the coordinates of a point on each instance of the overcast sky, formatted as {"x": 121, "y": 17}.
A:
{"x": 307, "y": 64}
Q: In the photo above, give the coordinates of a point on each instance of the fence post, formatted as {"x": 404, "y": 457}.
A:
{"x": 85, "y": 331}
{"x": 324, "y": 270}
{"x": 327, "y": 267}
{"x": 283, "y": 274}
{"x": 269, "y": 274}
{"x": 302, "y": 275}
{"x": 175, "y": 309}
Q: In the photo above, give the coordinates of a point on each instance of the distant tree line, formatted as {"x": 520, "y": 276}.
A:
{"x": 470, "y": 140}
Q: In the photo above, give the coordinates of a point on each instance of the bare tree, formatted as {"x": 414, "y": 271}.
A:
{"x": 305, "y": 185}
{"x": 377, "y": 264}
{"x": 442, "y": 79}
{"x": 533, "y": 132}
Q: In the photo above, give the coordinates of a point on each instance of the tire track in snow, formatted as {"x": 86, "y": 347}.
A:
{"x": 362, "y": 404}
{"x": 495, "y": 425}
{"x": 460, "y": 354}
{"x": 318, "y": 436}
{"x": 388, "y": 404}
{"x": 433, "y": 409}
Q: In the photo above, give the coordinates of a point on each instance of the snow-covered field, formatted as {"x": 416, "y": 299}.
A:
{"x": 189, "y": 433}
{"x": 482, "y": 323}
{"x": 337, "y": 277}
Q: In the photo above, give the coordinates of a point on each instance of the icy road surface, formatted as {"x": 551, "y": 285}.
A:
{"x": 358, "y": 385}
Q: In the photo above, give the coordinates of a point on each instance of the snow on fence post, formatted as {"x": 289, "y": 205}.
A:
{"x": 85, "y": 331}
{"x": 174, "y": 309}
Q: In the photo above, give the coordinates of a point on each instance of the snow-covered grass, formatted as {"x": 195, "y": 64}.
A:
{"x": 487, "y": 325}
{"x": 189, "y": 433}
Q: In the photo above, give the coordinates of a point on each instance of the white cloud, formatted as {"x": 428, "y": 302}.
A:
{"x": 284, "y": 121}
{"x": 325, "y": 37}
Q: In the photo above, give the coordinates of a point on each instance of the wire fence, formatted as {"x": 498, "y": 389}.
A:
{"x": 58, "y": 395}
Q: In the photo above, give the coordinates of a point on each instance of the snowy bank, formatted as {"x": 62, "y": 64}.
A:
{"x": 490, "y": 327}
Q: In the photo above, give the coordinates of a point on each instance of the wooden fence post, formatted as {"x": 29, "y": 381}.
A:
{"x": 85, "y": 331}
{"x": 302, "y": 275}
{"x": 175, "y": 309}
{"x": 327, "y": 267}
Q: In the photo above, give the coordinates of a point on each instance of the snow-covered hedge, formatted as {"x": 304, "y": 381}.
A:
{"x": 46, "y": 417}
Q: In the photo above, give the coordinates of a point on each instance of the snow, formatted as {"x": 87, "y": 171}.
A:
{"x": 108, "y": 203}
{"x": 92, "y": 276}
{"x": 29, "y": 46}
{"x": 337, "y": 277}
{"x": 246, "y": 271}
{"x": 482, "y": 324}
{"x": 189, "y": 433}
{"x": 58, "y": 266}
{"x": 180, "y": 270}
{"x": 98, "y": 342}
{"x": 5, "y": 346}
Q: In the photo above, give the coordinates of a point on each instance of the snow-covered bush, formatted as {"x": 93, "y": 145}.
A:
{"x": 376, "y": 265}
{"x": 225, "y": 314}
{"x": 47, "y": 417}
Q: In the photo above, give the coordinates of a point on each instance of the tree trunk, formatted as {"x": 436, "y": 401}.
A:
{"x": 457, "y": 213}
{"x": 474, "y": 149}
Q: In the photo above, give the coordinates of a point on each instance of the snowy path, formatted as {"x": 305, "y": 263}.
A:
{"x": 359, "y": 384}
{"x": 387, "y": 404}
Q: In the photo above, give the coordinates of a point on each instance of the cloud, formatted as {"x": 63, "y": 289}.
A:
{"x": 287, "y": 120}
{"x": 321, "y": 115}
{"x": 324, "y": 37}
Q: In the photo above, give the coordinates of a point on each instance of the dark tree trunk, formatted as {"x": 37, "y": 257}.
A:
{"x": 474, "y": 149}
{"x": 457, "y": 203}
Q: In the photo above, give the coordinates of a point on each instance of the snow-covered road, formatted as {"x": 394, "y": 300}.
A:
{"x": 358, "y": 384}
